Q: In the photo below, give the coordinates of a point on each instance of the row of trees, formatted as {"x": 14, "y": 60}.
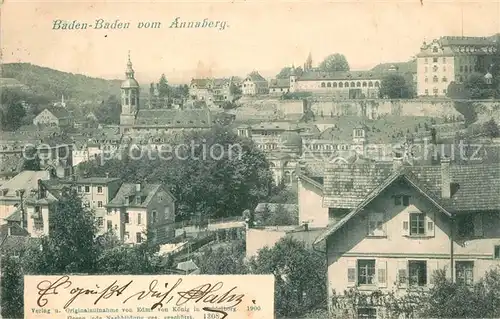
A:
{"x": 212, "y": 174}
{"x": 74, "y": 246}
{"x": 332, "y": 63}
{"x": 18, "y": 107}
{"x": 300, "y": 272}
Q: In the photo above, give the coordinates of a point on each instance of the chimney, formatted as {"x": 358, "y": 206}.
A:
{"x": 107, "y": 175}
{"x": 445, "y": 177}
{"x": 9, "y": 231}
{"x": 137, "y": 187}
{"x": 397, "y": 162}
{"x": 306, "y": 226}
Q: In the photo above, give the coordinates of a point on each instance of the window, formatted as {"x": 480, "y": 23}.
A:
{"x": 99, "y": 189}
{"x": 461, "y": 68}
{"x": 376, "y": 224}
{"x": 426, "y": 61}
{"x": 465, "y": 272}
{"x": 366, "y": 272}
{"x": 109, "y": 225}
{"x": 138, "y": 238}
{"x": 465, "y": 225}
{"x": 426, "y": 80}
{"x": 127, "y": 218}
{"x": 426, "y": 90}
{"x": 99, "y": 204}
{"x": 417, "y": 224}
{"x": 435, "y": 49}
{"x": 444, "y": 60}
{"x": 367, "y": 313}
{"x": 87, "y": 189}
{"x": 444, "y": 79}
{"x": 444, "y": 68}
{"x": 497, "y": 252}
{"x": 435, "y": 60}
{"x": 153, "y": 216}
{"x": 417, "y": 270}
{"x": 38, "y": 224}
{"x": 167, "y": 212}
{"x": 100, "y": 221}
{"x": 435, "y": 79}
{"x": 406, "y": 200}
{"x": 139, "y": 218}
{"x": 79, "y": 189}
{"x": 402, "y": 200}
{"x": 126, "y": 236}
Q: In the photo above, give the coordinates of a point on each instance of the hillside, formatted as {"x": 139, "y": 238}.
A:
{"x": 52, "y": 83}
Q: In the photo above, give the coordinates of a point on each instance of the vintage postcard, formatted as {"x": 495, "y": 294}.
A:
{"x": 248, "y": 159}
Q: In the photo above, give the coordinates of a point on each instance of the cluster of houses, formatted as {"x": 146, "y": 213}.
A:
{"x": 133, "y": 212}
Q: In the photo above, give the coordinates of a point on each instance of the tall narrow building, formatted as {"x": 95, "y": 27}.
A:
{"x": 129, "y": 99}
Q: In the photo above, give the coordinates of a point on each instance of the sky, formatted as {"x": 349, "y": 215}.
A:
{"x": 261, "y": 35}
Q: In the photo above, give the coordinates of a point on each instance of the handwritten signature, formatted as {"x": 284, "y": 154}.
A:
{"x": 206, "y": 293}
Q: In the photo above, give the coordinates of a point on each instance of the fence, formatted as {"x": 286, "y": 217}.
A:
{"x": 195, "y": 222}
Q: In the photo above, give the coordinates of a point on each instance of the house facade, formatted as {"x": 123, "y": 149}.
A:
{"x": 391, "y": 226}
{"x": 452, "y": 59}
{"x": 342, "y": 85}
{"x": 139, "y": 211}
{"x": 54, "y": 116}
{"x": 13, "y": 191}
{"x": 255, "y": 84}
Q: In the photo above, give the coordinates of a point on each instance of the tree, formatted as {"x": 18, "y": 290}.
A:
{"x": 334, "y": 62}
{"x": 395, "y": 86}
{"x": 109, "y": 111}
{"x": 223, "y": 260}
{"x": 300, "y": 276}
{"x": 281, "y": 217}
{"x": 286, "y": 71}
{"x": 163, "y": 87}
{"x": 206, "y": 181}
{"x": 490, "y": 128}
{"x": 477, "y": 87}
{"x": 71, "y": 246}
{"x": 12, "y": 288}
{"x": 235, "y": 90}
{"x": 31, "y": 162}
{"x": 12, "y": 110}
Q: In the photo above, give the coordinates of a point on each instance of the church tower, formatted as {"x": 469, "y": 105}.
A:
{"x": 129, "y": 99}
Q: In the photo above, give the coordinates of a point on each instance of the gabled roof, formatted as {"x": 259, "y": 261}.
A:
{"x": 404, "y": 173}
{"x": 400, "y": 67}
{"x": 127, "y": 190}
{"x": 59, "y": 112}
{"x": 256, "y": 77}
{"x": 476, "y": 185}
{"x": 26, "y": 180}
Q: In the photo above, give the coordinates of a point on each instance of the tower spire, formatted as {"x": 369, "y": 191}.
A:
{"x": 130, "y": 71}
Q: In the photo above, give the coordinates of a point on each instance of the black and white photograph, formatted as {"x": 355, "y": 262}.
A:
{"x": 249, "y": 159}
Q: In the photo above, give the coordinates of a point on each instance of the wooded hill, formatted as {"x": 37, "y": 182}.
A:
{"x": 52, "y": 84}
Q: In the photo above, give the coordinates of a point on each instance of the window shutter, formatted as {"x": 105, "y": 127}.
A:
{"x": 402, "y": 273}
{"x": 405, "y": 229}
{"x": 432, "y": 266}
{"x": 351, "y": 273}
{"x": 429, "y": 224}
{"x": 478, "y": 225}
{"x": 382, "y": 273}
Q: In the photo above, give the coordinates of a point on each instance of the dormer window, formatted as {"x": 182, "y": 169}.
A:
{"x": 435, "y": 49}
{"x": 138, "y": 200}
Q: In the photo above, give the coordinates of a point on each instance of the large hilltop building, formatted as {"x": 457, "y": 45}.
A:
{"x": 449, "y": 59}
{"x": 133, "y": 119}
